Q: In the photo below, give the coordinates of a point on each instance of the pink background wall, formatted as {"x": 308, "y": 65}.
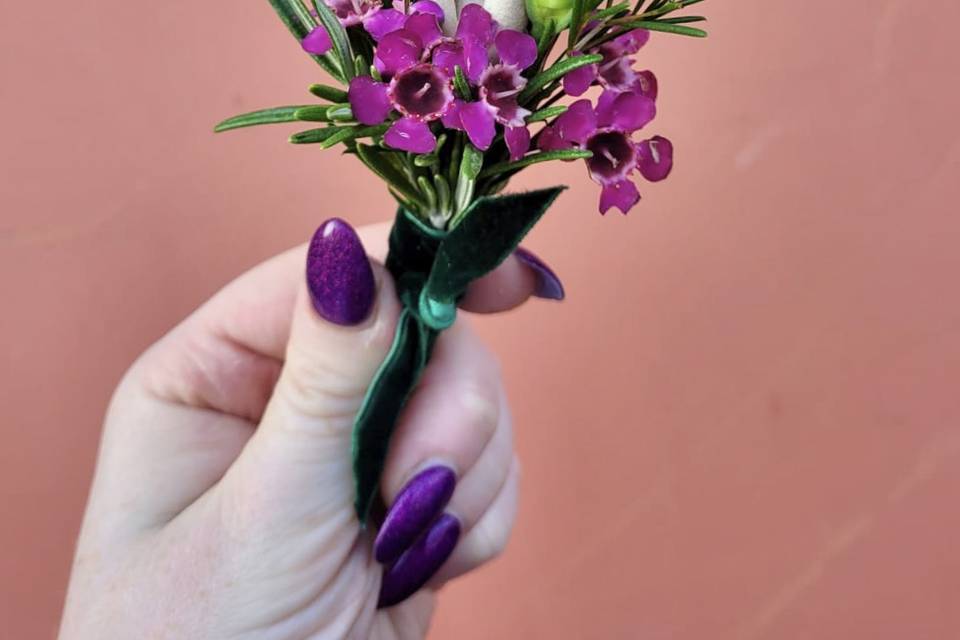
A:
{"x": 742, "y": 424}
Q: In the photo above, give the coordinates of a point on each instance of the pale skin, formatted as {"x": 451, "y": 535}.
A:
{"x": 222, "y": 505}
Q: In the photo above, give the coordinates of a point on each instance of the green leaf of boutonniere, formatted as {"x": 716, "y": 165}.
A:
{"x": 338, "y": 36}
{"x": 262, "y": 116}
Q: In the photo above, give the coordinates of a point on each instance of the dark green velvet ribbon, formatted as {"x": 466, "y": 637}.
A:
{"x": 432, "y": 270}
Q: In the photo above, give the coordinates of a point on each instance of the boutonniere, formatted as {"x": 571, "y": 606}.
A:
{"x": 445, "y": 102}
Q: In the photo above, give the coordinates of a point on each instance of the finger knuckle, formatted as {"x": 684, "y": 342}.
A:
{"x": 480, "y": 409}
{"x": 490, "y": 540}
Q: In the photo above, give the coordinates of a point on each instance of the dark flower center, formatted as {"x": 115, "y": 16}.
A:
{"x": 421, "y": 91}
{"x": 613, "y": 154}
{"x": 499, "y": 86}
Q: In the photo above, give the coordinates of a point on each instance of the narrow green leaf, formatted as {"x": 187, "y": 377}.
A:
{"x": 427, "y": 191}
{"x": 290, "y": 17}
{"x": 683, "y": 19}
{"x": 341, "y": 44}
{"x": 545, "y": 156}
{"x": 262, "y": 116}
{"x": 547, "y": 113}
{"x": 576, "y": 22}
{"x": 556, "y": 72}
{"x": 314, "y": 136}
{"x": 471, "y": 163}
{"x": 603, "y": 14}
{"x": 545, "y": 41}
{"x": 665, "y": 8}
{"x": 297, "y": 8}
{"x": 340, "y": 113}
{"x": 443, "y": 193}
{"x": 380, "y": 163}
{"x": 460, "y": 84}
{"x": 666, "y": 27}
{"x": 333, "y": 94}
{"x": 313, "y": 113}
{"x": 352, "y": 133}
{"x": 299, "y": 21}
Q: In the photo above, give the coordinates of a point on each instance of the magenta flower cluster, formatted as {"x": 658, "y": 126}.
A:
{"x": 627, "y": 104}
{"x": 417, "y": 63}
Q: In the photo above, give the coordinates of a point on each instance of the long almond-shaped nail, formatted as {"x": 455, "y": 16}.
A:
{"x": 339, "y": 276}
{"x": 418, "y": 563}
{"x": 417, "y": 505}
{"x": 548, "y": 284}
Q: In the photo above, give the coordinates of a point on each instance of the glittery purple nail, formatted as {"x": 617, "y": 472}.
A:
{"x": 418, "y": 564}
{"x": 548, "y": 284}
{"x": 416, "y": 507}
{"x": 339, "y": 276}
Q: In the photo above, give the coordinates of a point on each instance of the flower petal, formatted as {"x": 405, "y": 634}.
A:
{"x": 410, "y": 135}
{"x": 448, "y": 55}
{"x": 368, "y": 100}
{"x": 383, "y": 22}
{"x": 475, "y": 58}
{"x": 477, "y": 121}
{"x": 626, "y": 111}
{"x": 550, "y": 140}
{"x": 428, "y": 6}
{"x": 516, "y": 48}
{"x": 646, "y": 84}
{"x": 475, "y": 22}
{"x": 622, "y": 195}
{"x": 424, "y": 25}
{"x": 518, "y": 141}
{"x": 317, "y": 41}
{"x": 451, "y": 117}
{"x": 398, "y": 50}
{"x": 631, "y": 42}
{"x": 577, "y": 123}
{"x": 655, "y": 158}
{"x": 576, "y": 82}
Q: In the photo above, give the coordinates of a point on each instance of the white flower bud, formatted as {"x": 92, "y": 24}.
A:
{"x": 509, "y": 14}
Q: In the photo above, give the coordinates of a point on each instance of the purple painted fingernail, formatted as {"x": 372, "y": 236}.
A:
{"x": 419, "y": 562}
{"x": 548, "y": 284}
{"x": 416, "y": 507}
{"x": 339, "y": 276}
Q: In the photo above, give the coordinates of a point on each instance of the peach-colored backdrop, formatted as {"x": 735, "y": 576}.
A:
{"x": 743, "y": 423}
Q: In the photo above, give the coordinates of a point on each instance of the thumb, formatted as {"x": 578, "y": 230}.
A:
{"x": 296, "y": 470}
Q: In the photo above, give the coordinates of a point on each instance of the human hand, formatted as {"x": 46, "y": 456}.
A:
{"x": 222, "y": 504}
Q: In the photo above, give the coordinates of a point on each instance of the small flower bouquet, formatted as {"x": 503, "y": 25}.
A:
{"x": 445, "y": 101}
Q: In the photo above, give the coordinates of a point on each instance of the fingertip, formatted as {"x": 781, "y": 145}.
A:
{"x": 523, "y": 275}
{"x": 506, "y": 287}
{"x": 548, "y": 284}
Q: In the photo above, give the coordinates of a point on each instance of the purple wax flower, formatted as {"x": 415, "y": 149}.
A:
{"x": 492, "y": 61}
{"x": 615, "y": 71}
{"x": 351, "y": 12}
{"x": 606, "y": 131}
